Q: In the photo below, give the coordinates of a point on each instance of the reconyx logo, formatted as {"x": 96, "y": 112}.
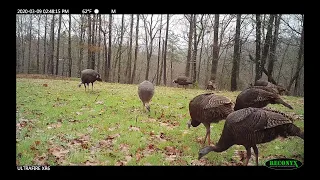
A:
{"x": 283, "y": 164}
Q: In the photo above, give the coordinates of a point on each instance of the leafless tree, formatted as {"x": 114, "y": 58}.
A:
{"x": 236, "y": 56}
{"x": 135, "y": 51}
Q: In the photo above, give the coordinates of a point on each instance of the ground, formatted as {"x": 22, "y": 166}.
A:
{"x": 58, "y": 123}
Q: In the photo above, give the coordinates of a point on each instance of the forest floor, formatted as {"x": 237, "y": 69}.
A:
{"x": 58, "y": 123}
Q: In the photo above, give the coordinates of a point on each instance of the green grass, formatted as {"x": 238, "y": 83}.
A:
{"x": 62, "y": 124}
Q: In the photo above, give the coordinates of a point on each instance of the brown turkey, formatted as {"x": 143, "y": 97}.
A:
{"x": 208, "y": 108}
{"x": 258, "y": 98}
{"x": 252, "y": 126}
{"x": 280, "y": 89}
{"x": 211, "y": 86}
{"x": 89, "y": 76}
{"x": 145, "y": 92}
{"x": 182, "y": 80}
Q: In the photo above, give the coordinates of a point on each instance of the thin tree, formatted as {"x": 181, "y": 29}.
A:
{"x": 108, "y": 63}
{"x": 18, "y": 44}
{"x": 215, "y": 49}
{"x": 93, "y": 41}
{"x": 258, "y": 48}
{"x": 194, "y": 55}
{"x": 99, "y": 43}
{"x": 203, "y": 27}
{"x": 69, "y": 47}
{"x": 273, "y": 48}
{"x": 45, "y": 45}
{"x": 51, "y": 46}
{"x": 159, "y": 50}
{"x": 162, "y": 60}
{"x": 89, "y": 42}
{"x": 236, "y": 56}
{"x": 165, "y": 54}
{"x": 81, "y": 44}
{"x": 128, "y": 70}
{"x": 38, "y": 46}
{"x": 187, "y": 72}
{"x": 30, "y": 41}
{"x": 120, "y": 47}
{"x": 58, "y": 44}
{"x": 135, "y": 51}
{"x": 267, "y": 43}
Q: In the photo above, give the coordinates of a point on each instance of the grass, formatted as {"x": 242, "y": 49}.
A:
{"x": 61, "y": 124}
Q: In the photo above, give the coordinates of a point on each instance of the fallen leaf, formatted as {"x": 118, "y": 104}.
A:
{"x": 91, "y": 163}
{"x": 58, "y": 152}
{"x": 78, "y": 113}
{"x": 57, "y": 125}
{"x": 99, "y": 102}
{"x": 40, "y": 160}
{"x": 124, "y": 148}
{"x": 128, "y": 158}
{"x": 45, "y": 85}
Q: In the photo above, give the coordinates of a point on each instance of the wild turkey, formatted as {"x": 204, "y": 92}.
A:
{"x": 280, "y": 89}
{"x": 258, "y": 98}
{"x": 211, "y": 86}
{"x": 182, "y": 80}
{"x": 208, "y": 108}
{"x": 89, "y": 76}
{"x": 252, "y": 126}
{"x": 145, "y": 92}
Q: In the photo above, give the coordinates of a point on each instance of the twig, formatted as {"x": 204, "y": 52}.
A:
{"x": 97, "y": 97}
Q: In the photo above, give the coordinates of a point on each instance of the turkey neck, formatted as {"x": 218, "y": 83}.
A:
{"x": 224, "y": 143}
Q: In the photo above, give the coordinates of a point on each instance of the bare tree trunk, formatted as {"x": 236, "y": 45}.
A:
{"x": 165, "y": 54}
{"x": 135, "y": 52}
{"x": 51, "y": 46}
{"x": 187, "y": 72}
{"x": 120, "y": 47}
{"x": 222, "y": 69}
{"x": 18, "y": 45}
{"x": 69, "y": 47}
{"x": 81, "y": 44}
{"x": 45, "y": 45}
{"x": 194, "y": 58}
{"x": 38, "y": 46}
{"x": 93, "y": 41}
{"x": 128, "y": 70}
{"x": 171, "y": 69}
{"x": 58, "y": 44}
{"x": 63, "y": 57}
{"x": 109, "y": 49}
{"x": 215, "y": 49}
{"x": 273, "y": 47}
{"x": 267, "y": 42}
{"x": 22, "y": 46}
{"x": 258, "y": 48}
{"x": 162, "y": 61}
{"x": 30, "y": 41}
{"x": 236, "y": 56}
{"x": 89, "y": 42}
{"x": 282, "y": 61}
{"x": 200, "y": 56}
{"x": 159, "y": 50}
{"x": 99, "y": 44}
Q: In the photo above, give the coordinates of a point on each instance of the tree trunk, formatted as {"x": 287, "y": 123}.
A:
{"x": 128, "y": 70}
{"x": 18, "y": 45}
{"x": 120, "y": 47}
{"x": 109, "y": 49}
{"x": 282, "y": 61}
{"x": 215, "y": 49}
{"x": 51, "y": 46}
{"x": 45, "y": 45}
{"x": 267, "y": 42}
{"x": 99, "y": 44}
{"x": 69, "y": 47}
{"x": 30, "y": 41}
{"x": 162, "y": 61}
{"x": 135, "y": 52}
{"x": 187, "y": 72}
{"x": 194, "y": 58}
{"x": 159, "y": 50}
{"x": 299, "y": 65}
{"x": 63, "y": 57}
{"x": 258, "y": 48}
{"x": 222, "y": 69}
{"x": 165, "y": 54}
{"x": 22, "y": 46}
{"x": 236, "y": 56}
{"x": 81, "y": 44}
{"x": 200, "y": 56}
{"x": 93, "y": 41}
{"x": 58, "y": 44}
{"x": 38, "y": 46}
{"x": 89, "y": 42}
{"x": 273, "y": 47}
